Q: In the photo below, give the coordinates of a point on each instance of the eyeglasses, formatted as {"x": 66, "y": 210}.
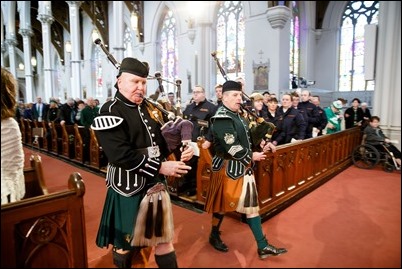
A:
{"x": 197, "y": 92}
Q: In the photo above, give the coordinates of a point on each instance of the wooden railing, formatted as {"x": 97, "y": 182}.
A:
{"x": 294, "y": 169}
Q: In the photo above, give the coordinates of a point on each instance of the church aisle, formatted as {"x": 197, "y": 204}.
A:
{"x": 353, "y": 220}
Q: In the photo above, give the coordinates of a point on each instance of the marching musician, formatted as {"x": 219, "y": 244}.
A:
{"x": 136, "y": 150}
{"x": 232, "y": 185}
{"x": 199, "y": 112}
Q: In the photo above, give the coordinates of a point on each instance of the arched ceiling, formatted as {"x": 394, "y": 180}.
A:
{"x": 97, "y": 12}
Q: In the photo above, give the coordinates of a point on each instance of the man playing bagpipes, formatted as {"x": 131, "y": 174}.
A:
{"x": 232, "y": 184}
{"x": 137, "y": 210}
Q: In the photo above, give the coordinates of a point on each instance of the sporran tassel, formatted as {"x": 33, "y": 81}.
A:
{"x": 159, "y": 218}
{"x": 247, "y": 197}
{"x": 149, "y": 220}
{"x": 254, "y": 201}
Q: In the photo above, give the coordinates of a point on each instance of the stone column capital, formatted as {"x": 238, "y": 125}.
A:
{"x": 11, "y": 42}
{"x": 26, "y": 32}
{"x": 43, "y": 18}
{"x": 74, "y": 3}
{"x": 278, "y": 16}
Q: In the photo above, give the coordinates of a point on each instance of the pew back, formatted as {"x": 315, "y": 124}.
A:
{"x": 34, "y": 181}
{"x": 46, "y": 231}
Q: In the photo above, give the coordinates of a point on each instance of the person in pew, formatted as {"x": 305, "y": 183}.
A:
{"x": 354, "y": 114}
{"x": 136, "y": 150}
{"x": 88, "y": 114}
{"x": 199, "y": 113}
{"x": 273, "y": 117}
{"x": 67, "y": 112}
{"x": 232, "y": 184}
{"x": 80, "y": 106}
{"x": 28, "y": 112}
{"x": 290, "y": 121}
{"x": 39, "y": 110}
{"x": 12, "y": 155}
{"x": 334, "y": 118}
{"x": 322, "y": 122}
{"x": 52, "y": 115}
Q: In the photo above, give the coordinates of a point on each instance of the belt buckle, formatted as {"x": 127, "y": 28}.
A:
{"x": 153, "y": 152}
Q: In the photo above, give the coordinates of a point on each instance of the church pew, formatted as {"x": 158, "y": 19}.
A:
{"x": 67, "y": 141}
{"x": 56, "y": 138}
{"x": 34, "y": 180}
{"x": 97, "y": 158}
{"x": 28, "y": 132}
{"x": 46, "y": 231}
{"x": 79, "y": 144}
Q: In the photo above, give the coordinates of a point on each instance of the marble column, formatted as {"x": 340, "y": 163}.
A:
{"x": 75, "y": 61}
{"x": 387, "y": 95}
{"x": 118, "y": 36}
{"x": 11, "y": 44}
{"x": 203, "y": 61}
{"x": 29, "y": 77}
{"x": 46, "y": 19}
{"x": 3, "y": 50}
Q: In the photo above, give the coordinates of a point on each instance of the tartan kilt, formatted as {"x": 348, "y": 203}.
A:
{"x": 225, "y": 194}
{"x": 118, "y": 219}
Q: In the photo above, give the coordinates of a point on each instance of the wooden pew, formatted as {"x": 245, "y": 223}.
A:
{"x": 46, "y": 231}
{"x": 56, "y": 138}
{"x": 43, "y": 141}
{"x": 28, "y": 131}
{"x": 97, "y": 158}
{"x": 34, "y": 180}
{"x": 67, "y": 141}
{"x": 79, "y": 144}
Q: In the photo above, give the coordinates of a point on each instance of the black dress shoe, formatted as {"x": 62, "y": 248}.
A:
{"x": 218, "y": 244}
{"x": 270, "y": 250}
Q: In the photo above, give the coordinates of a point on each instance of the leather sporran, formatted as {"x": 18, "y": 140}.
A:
{"x": 154, "y": 223}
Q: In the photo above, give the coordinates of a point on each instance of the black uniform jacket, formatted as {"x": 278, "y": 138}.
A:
{"x": 197, "y": 113}
{"x": 132, "y": 142}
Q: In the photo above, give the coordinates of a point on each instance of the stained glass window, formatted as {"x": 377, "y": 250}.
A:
{"x": 169, "y": 51}
{"x": 294, "y": 54}
{"x": 357, "y": 14}
{"x": 230, "y": 39}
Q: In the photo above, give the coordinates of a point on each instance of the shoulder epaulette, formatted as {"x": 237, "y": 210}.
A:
{"x": 106, "y": 122}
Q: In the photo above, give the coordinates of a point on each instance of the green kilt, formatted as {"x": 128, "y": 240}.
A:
{"x": 118, "y": 219}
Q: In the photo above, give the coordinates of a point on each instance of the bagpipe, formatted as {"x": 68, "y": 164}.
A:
{"x": 163, "y": 100}
{"x": 260, "y": 129}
